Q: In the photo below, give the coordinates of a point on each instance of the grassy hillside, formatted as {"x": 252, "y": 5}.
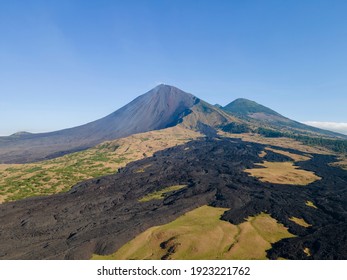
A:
{"x": 19, "y": 181}
{"x": 191, "y": 235}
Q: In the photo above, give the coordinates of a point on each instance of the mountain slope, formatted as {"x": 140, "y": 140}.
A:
{"x": 161, "y": 107}
{"x": 263, "y": 116}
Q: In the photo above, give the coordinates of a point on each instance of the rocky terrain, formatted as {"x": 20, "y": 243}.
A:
{"x": 168, "y": 156}
{"x": 100, "y": 215}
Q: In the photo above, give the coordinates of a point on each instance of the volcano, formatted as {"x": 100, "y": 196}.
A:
{"x": 275, "y": 197}
{"x": 161, "y": 107}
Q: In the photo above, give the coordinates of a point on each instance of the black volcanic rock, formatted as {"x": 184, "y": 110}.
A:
{"x": 159, "y": 108}
{"x": 100, "y": 215}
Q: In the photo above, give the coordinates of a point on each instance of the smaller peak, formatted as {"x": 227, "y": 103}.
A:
{"x": 245, "y": 106}
{"x": 21, "y": 133}
{"x": 245, "y": 100}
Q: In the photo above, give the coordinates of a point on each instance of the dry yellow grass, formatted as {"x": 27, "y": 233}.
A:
{"x": 282, "y": 173}
{"x": 342, "y": 163}
{"x": 262, "y": 154}
{"x": 307, "y": 251}
{"x": 200, "y": 234}
{"x": 295, "y": 157}
{"x": 310, "y": 204}
{"x": 140, "y": 145}
{"x": 300, "y": 222}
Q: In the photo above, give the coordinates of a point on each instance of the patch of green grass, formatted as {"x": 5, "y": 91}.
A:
{"x": 57, "y": 175}
{"x": 33, "y": 169}
{"x": 12, "y": 169}
{"x": 161, "y": 194}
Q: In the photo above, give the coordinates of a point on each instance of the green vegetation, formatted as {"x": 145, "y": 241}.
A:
{"x": 200, "y": 234}
{"x": 336, "y": 145}
{"x": 19, "y": 181}
{"x": 236, "y": 128}
{"x": 161, "y": 194}
{"x": 57, "y": 175}
{"x": 269, "y": 132}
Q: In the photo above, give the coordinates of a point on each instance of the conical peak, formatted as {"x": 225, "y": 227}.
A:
{"x": 163, "y": 88}
{"x": 163, "y": 92}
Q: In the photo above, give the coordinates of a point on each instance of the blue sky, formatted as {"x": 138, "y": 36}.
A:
{"x": 64, "y": 63}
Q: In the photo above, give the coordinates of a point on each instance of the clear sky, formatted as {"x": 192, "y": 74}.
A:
{"x": 67, "y": 62}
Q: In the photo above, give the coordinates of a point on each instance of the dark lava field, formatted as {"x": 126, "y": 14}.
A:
{"x": 100, "y": 215}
